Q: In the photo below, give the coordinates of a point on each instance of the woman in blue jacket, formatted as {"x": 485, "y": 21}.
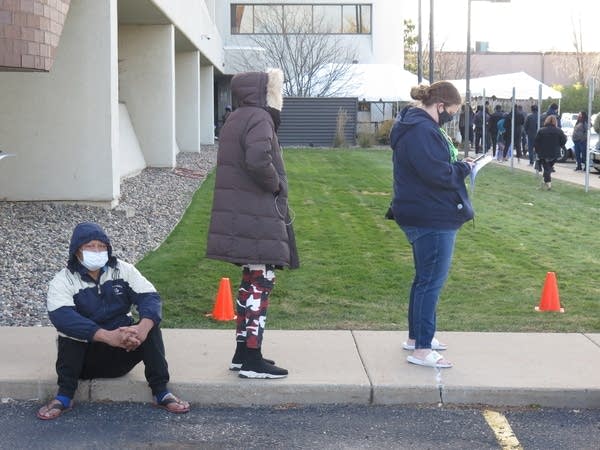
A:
{"x": 430, "y": 204}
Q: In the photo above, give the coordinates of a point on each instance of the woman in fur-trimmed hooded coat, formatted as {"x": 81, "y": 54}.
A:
{"x": 250, "y": 223}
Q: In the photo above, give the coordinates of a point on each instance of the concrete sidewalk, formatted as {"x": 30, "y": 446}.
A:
{"x": 361, "y": 367}
{"x": 563, "y": 171}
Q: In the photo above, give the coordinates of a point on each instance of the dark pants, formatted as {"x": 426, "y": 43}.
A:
{"x": 479, "y": 140}
{"x": 462, "y": 133}
{"x": 531, "y": 149}
{"x": 82, "y": 360}
{"x": 517, "y": 150}
{"x": 547, "y": 166}
{"x": 494, "y": 141}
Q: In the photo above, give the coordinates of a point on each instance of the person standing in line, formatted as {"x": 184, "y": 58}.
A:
{"x": 548, "y": 142}
{"x": 461, "y": 124}
{"x": 250, "y": 222}
{"x": 580, "y": 132}
{"x": 552, "y": 111}
{"x": 481, "y": 120}
{"x": 518, "y": 129}
{"x": 531, "y": 128}
{"x": 494, "y": 118}
{"x": 430, "y": 204}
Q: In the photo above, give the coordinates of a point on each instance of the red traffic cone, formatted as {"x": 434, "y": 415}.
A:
{"x": 223, "y": 309}
{"x": 549, "y": 300}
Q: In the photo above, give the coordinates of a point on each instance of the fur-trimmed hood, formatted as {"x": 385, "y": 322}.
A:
{"x": 260, "y": 89}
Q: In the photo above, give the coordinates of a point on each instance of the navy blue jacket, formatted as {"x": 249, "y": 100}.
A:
{"x": 78, "y": 305}
{"x": 429, "y": 189}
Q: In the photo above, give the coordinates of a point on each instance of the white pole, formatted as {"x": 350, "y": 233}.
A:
{"x": 468, "y": 123}
{"x": 512, "y": 130}
{"x": 539, "y": 119}
{"x": 587, "y": 142}
{"x": 483, "y": 147}
{"x": 539, "y": 114}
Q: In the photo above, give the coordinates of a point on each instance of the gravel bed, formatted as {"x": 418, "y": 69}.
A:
{"x": 34, "y": 236}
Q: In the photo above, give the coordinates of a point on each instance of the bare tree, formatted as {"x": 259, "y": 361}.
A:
{"x": 447, "y": 65}
{"x": 588, "y": 64}
{"x": 314, "y": 62}
{"x": 579, "y": 55}
{"x": 450, "y": 65}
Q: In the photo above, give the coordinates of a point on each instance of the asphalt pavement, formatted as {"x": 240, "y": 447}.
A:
{"x": 130, "y": 426}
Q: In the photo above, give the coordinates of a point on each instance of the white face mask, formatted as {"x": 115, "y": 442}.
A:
{"x": 94, "y": 260}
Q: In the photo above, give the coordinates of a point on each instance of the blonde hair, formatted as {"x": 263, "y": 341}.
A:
{"x": 439, "y": 92}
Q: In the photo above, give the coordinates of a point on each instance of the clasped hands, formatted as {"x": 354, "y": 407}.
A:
{"x": 128, "y": 338}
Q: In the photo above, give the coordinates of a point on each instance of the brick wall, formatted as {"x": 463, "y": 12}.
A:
{"x": 29, "y": 33}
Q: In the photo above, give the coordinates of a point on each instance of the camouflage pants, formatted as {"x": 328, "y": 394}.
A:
{"x": 252, "y": 302}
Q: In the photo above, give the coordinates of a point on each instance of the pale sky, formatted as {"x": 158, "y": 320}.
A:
{"x": 521, "y": 25}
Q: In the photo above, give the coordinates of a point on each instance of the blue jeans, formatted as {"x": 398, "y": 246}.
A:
{"x": 580, "y": 153}
{"x": 432, "y": 254}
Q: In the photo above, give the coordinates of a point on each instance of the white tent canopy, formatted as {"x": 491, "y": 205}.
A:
{"x": 501, "y": 86}
{"x": 377, "y": 83}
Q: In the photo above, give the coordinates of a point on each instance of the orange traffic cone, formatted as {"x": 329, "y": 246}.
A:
{"x": 223, "y": 309}
{"x": 549, "y": 300}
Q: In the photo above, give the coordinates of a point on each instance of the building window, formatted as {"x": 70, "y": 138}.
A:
{"x": 268, "y": 19}
{"x": 327, "y": 18}
{"x": 297, "y": 18}
{"x": 242, "y": 19}
{"x": 350, "y": 20}
{"x": 364, "y": 106}
{"x": 365, "y": 19}
{"x": 247, "y": 18}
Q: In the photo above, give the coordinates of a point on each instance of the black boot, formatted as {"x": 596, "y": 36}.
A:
{"x": 239, "y": 356}
{"x": 255, "y": 366}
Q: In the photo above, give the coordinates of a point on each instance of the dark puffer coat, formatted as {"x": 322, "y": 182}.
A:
{"x": 250, "y": 222}
{"x": 548, "y": 142}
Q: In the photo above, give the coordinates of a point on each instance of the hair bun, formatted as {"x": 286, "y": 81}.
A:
{"x": 420, "y": 92}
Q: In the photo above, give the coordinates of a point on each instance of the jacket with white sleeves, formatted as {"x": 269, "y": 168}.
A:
{"x": 78, "y": 305}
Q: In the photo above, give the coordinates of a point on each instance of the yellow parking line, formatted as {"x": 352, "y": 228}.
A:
{"x": 501, "y": 428}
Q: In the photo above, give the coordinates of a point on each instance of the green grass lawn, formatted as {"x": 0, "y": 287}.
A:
{"x": 356, "y": 267}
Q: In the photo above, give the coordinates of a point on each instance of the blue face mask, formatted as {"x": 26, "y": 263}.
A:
{"x": 94, "y": 260}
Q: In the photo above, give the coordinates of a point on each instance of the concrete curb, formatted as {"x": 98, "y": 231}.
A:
{"x": 326, "y": 367}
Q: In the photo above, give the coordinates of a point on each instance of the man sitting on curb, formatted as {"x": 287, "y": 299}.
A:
{"x": 89, "y": 303}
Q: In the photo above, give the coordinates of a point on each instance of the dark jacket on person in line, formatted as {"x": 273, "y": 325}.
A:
{"x": 552, "y": 111}
{"x": 78, "y": 305}
{"x": 478, "y": 119}
{"x": 549, "y": 141}
{"x": 493, "y": 121}
{"x": 519, "y": 122}
{"x": 429, "y": 188}
{"x": 531, "y": 125}
{"x": 250, "y": 222}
